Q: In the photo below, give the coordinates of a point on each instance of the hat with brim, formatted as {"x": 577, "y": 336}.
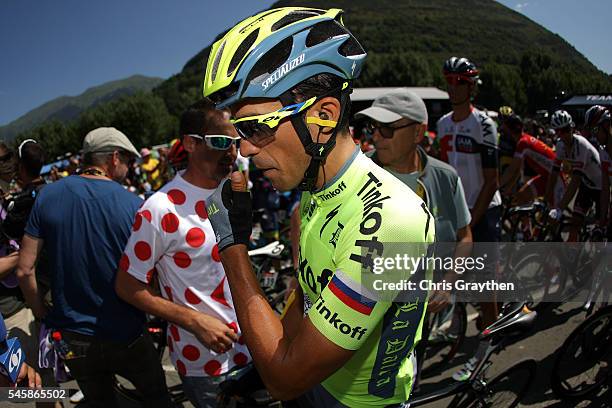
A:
{"x": 107, "y": 140}
{"x": 379, "y": 114}
{"x": 394, "y": 105}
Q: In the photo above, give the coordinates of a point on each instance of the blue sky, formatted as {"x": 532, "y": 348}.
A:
{"x": 51, "y": 48}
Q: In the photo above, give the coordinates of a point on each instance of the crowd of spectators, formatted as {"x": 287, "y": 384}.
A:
{"x": 114, "y": 258}
{"x": 145, "y": 175}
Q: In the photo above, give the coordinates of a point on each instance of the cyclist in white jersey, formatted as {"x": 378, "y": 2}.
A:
{"x": 585, "y": 164}
{"x": 469, "y": 143}
{"x": 597, "y": 121}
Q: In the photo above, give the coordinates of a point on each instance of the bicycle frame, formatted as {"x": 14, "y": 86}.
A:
{"x": 476, "y": 382}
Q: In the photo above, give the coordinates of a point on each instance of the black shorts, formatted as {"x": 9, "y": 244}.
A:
{"x": 584, "y": 201}
{"x": 486, "y": 235}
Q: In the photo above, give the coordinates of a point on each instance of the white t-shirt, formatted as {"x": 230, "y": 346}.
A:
{"x": 173, "y": 236}
{"x": 583, "y": 158}
{"x": 470, "y": 146}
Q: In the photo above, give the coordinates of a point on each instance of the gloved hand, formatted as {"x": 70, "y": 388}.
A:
{"x": 555, "y": 214}
{"x": 229, "y": 211}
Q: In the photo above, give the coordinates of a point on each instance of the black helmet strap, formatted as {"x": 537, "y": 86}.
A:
{"x": 317, "y": 151}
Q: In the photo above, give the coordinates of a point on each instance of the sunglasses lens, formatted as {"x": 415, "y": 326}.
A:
{"x": 246, "y": 129}
{"x": 220, "y": 143}
{"x": 253, "y": 129}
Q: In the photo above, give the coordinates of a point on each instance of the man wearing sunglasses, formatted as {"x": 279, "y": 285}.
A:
{"x": 173, "y": 244}
{"x": 286, "y": 75}
{"x": 397, "y": 122}
{"x": 469, "y": 143}
{"x": 83, "y": 222}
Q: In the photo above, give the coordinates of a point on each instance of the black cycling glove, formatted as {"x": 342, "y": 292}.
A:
{"x": 230, "y": 214}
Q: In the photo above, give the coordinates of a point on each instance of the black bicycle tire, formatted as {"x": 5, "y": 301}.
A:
{"x": 557, "y": 383}
{"x": 516, "y": 264}
{"x": 473, "y": 397}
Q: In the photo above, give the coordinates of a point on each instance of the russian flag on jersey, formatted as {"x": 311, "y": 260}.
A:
{"x": 347, "y": 291}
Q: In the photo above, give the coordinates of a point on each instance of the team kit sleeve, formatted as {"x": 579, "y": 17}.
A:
{"x": 489, "y": 149}
{"x": 347, "y": 312}
{"x": 145, "y": 245}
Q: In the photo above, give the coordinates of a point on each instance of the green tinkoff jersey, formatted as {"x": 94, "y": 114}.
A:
{"x": 343, "y": 228}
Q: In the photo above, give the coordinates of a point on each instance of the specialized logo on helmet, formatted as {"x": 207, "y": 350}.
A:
{"x": 283, "y": 70}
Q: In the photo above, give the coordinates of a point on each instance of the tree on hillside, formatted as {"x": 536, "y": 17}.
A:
{"x": 143, "y": 117}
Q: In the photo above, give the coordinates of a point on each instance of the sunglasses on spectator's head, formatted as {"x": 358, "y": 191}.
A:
{"x": 23, "y": 144}
{"x": 458, "y": 80}
{"x": 217, "y": 142}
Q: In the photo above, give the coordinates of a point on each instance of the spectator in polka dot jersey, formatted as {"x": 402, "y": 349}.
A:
{"x": 173, "y": 241}
{"x": 83, "y": 224}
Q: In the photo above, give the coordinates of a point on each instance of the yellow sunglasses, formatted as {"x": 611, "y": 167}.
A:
{"x": 260, "y": 127}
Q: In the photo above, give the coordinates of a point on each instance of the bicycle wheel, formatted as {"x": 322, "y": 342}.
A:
{"x": 529, "y": 270}
{"x": 504, "y": 391}
{"x": 446, "y": 335}
{"x": 584, "y": 361}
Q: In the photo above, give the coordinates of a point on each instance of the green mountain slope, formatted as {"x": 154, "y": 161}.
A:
{"x": 66, "y": 108}
{"x": 523, "y": 64}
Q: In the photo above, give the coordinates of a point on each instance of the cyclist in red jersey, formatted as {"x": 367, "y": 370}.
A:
{"x": 535, "y": 155}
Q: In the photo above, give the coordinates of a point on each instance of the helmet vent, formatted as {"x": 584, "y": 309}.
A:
{"x": 272, "y": 59}
{"x": 215, "y": 66}
{"x": 325, "y": 30}
{"x": 351, "y": 47}
{"x": 240, "y": 53}
{"x": 293, "y": 17}
{"x": 224, "y": 93}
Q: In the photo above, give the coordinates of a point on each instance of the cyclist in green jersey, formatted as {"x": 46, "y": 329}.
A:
{"x": 286, "y": 75}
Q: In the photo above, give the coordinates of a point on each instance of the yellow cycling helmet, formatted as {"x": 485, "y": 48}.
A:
{"x": 270, "y": 53}
{"x": 505, "y": 111}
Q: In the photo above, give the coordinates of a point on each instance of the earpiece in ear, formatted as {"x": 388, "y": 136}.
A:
{"x": 323, "y": 116}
